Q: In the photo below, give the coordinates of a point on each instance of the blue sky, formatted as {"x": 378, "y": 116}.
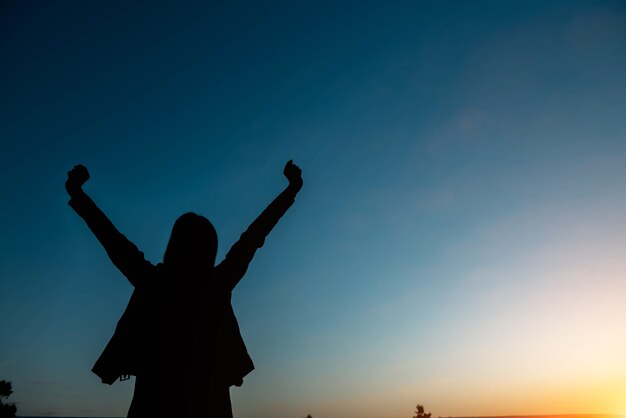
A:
{"x": 459, "y": 240}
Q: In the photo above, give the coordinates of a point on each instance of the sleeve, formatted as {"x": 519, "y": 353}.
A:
{"x": 236, "y": 262}
{"x": 123, "y": 253}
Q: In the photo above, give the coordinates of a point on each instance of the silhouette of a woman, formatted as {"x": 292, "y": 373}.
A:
{"x": 179, "y": 335}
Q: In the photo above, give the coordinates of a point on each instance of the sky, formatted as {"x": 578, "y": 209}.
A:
{"x": 460, "y": 239}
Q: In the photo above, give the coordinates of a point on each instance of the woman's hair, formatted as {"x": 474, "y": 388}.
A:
{"x": 193, "y": 243}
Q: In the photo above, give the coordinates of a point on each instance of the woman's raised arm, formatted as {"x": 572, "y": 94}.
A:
{"x": 241, "y": 253}
{"x": 123, "y": 253}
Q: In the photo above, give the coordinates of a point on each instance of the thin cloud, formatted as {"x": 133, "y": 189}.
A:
{"x": 42, "y": 382}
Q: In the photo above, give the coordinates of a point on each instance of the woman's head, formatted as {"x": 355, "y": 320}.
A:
{"x": 192, "y": 245}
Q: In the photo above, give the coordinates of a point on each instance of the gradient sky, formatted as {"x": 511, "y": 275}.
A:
{"x": 460, "y": 240}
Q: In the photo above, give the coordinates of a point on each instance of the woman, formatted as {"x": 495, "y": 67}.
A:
{"x": 179, "y": 335}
